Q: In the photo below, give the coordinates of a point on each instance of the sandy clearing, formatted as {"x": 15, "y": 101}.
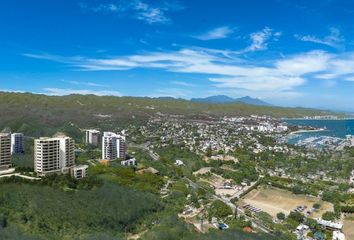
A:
{"x": 348, "y": 228}
{"x": 202, "y": 171}
{"x": 274, "y": 200}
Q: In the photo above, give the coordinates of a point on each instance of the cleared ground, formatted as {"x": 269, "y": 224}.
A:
{"x": 348, "y": 228}
{"x": 202, "y": 171}
{"x": 275, "y": 200}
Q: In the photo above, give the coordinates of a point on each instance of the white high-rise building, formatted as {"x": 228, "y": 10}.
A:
{"x": 93, "y": 137}
{"x": 17, "y": 143}
{"x": 5, "y": 151}
{"x": 113, "y": 146}
{"x": 54, "y": 155}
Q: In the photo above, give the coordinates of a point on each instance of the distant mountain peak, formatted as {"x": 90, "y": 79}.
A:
{"x": 221, "y": 99}
{"x": 214, "y": 99}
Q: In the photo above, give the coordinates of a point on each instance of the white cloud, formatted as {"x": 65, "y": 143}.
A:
{"x": 216, "y": 33}
{"x": 259, "y": 40}
{"x": 109, "y": 7}
{"x": 181, "y": 83}
{"x": 67, "y": 91}
{"x": 104, "y": 7}
{"x": 149, "y": 14}
{"x": 326, "y": 76}
{"x": 227, "y": 71}
{"x": 92, "y": 84}
{"x": 136, "y": 9}
{"x": 314, "y": 61}
{"x": 334, "y": 39}
{"x": 12, "y": 91}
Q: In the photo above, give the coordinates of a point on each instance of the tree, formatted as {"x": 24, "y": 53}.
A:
{"x": 219, "y": 209}
{"x": 209, "y": 152}
{"x": 3, "y": 221}
{"x": 296, "y": 216}
{"x": 265, "y": 218}
{"x": 329, "y": 216}
{"x": 281, "y": 216}
{"x": 311, "y": 223}
{"x": 316, "y": 206}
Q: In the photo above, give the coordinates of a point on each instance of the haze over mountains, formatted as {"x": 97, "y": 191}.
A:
{"x": 222, "y": 99}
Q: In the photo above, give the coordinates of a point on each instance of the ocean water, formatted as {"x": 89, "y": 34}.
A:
{"x": 334, "y": 128}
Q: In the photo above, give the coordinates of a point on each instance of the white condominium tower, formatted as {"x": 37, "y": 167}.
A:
{"x": 5, "y": 151}
{"x": 93, "y": 137}
{"x": 113, "y": 146}
{"x": 54, "y": 155}
{"x": 17, "y": 143}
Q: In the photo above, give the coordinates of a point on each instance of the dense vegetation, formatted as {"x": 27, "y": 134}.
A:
{"x": 46, "y": 211}
{"x": 127, "y": 177}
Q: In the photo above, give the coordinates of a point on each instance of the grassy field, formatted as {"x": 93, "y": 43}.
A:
{"x": 273, "y": 200}
{"x": 348, "y": 228}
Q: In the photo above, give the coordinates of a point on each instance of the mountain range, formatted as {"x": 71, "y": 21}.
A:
{"x": 222, "y": 99}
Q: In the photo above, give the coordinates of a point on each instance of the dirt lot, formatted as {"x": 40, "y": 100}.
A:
{"x": 348, "y": 228}
{"x": 274, "y": 200}
{"x": 202, "y": 171}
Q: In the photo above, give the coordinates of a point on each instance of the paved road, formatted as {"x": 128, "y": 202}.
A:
{"x": 145, "y": 147}
{"x": 19, "y": 175}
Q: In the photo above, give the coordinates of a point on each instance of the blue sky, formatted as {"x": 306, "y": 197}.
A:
{"x": 289, "y": 53}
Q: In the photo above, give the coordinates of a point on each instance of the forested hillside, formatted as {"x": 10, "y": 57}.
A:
{"x": 37, "y": 114}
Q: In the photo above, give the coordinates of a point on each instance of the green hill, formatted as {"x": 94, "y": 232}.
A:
{"x": 26, "y": 111}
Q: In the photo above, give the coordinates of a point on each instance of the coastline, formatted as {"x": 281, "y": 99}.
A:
{"x": 317, "y": 119}
{"x": 305, "y": 131}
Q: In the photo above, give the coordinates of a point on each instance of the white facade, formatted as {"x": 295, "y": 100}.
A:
{"x": 337, "y": 235}
{"x": 129, "y": 162}
{"x": 93, "y": 137}
{"x": 53, "y": 155}
{"x": 5, "y": 151}
{"x": 179, "y": 162}
{"x": 329, "y": 224}
{"x": 113, "y": 146}
{"x": 17, "y": 143}
{"x": 79, "y": 171}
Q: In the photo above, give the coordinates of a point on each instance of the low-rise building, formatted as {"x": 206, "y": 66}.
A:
{"x": 129, "y": 162}
{"x": 337, "y": 235}
{"x": 179, "y": 162}
{"x": 79, "y": 171}
{"x": 330, "y": 225}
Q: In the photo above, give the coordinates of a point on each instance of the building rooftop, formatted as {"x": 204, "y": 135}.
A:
{"x": 93, "y": 130}
{"x": 329, "y": 224}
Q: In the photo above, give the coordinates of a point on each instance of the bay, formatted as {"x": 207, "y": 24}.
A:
{"x": 333, "y": 128}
